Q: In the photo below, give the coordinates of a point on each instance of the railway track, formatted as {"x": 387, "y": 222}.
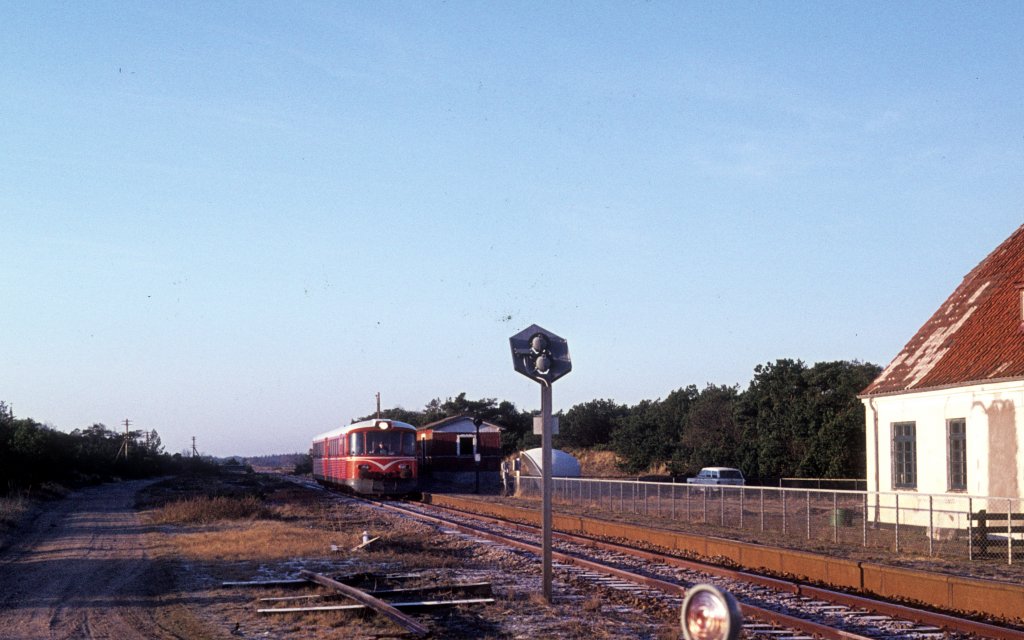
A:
{"x": 772, "y": 607}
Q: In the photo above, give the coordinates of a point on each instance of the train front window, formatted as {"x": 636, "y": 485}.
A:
{"x": 385, "y": 443}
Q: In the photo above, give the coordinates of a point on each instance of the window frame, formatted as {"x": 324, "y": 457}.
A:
{"x": 956, "y": 454}
{"x": 462, "y": 437}
{"x": 904, "y": 455}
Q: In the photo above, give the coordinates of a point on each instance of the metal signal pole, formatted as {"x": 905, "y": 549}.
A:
{"x": 543, "y": 357}
{"x": 545, "y": 458}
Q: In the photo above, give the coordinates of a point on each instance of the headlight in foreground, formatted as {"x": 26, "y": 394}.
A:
{"x": 710, "y": 614}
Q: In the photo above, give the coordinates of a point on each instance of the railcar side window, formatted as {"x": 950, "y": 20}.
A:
{"x": 355, "y": 444}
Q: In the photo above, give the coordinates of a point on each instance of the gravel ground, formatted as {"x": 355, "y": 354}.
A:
{"x": 80, "y": 568}
{"x": 91, "y": 566}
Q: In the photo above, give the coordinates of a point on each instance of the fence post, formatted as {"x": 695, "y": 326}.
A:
{"x": 808, "y": 494}
{"x": 983, "y": 531}
{"x": 721, "y": 502}
{"x": 835, "y": 517}
{"x": 673, "y": 502}
{"x": 1009, "y": 531}
{"x": 897, "y": 522}
{"x": 705, "y": 503}
{"x": 762, "y": 509}
{"x": 659, "y": 499}
{"x": 783, "y": 492}
{"x": 743, "y": 492}
{"x": 931, "y": 527}
{"x": 970, "y": 528}
{"x": 864, "y": 525}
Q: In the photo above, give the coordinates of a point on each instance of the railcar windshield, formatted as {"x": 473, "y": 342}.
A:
{"x": 378, "y": 442}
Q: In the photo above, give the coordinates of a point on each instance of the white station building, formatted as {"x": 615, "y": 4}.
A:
{"x": 943, "y": 417}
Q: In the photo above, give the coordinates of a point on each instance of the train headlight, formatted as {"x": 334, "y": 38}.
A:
{"x": 710, "y": 614}
{"x": 383, "y": 424}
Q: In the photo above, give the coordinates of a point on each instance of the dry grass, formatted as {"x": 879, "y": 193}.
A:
{"x": 11, "y": 510}
{"x": 205, "y": 510}
{"x": 593, "y": 604}
{"x": 262, "y": 540}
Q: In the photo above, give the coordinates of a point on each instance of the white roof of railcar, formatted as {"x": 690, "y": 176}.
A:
{"x": 364, "y": 423}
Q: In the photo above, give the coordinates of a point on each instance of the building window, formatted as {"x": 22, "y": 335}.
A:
{"x": 466, "y": 445}
{"x": 956, "y": 434}
{"x": 904, "y": 455}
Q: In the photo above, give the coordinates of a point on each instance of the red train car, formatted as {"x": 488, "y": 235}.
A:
{"x": 374, "y": 457}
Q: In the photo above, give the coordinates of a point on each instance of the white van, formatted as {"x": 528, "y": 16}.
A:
{"x": 718, "y": 475}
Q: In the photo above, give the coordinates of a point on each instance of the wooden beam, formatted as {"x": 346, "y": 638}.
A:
{"x": 368, "y": 542}
{"x": 474, "y": 588}
{"x": 404, "y": 605}
{"x": 266, "y": 583}
{"x": 380, "y": 606}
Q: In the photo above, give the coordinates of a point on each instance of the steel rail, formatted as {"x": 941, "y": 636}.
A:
{"x": 751, "y": 611}
{"x": 904, "y": 612}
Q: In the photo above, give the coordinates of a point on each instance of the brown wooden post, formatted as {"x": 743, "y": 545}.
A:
{"x": 362, "y": 597}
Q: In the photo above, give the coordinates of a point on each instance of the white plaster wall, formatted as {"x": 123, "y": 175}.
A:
{"x": 994, "y": 416}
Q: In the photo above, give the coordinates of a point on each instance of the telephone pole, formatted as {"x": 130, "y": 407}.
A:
{"x": 124, "y": 443}
{"x": 195, "y": 452}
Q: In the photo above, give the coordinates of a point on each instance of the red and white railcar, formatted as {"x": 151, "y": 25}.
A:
{"x": 375, "y": 457}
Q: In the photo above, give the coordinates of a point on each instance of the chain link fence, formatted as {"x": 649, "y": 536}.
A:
{"x": 933, "y": 525}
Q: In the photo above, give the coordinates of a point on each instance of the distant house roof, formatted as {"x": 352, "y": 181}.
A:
{"x": 459, "y": 424}
{"x": 976, "y": 336}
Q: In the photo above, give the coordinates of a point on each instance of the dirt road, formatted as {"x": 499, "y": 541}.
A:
{"x": 81, "y": 570}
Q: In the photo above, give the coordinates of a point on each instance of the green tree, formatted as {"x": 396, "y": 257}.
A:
{"x": 590, "y": 424}
{"x": 837, "y": 447}
{"x": 651, "y": 433}
{"x": 805, "y": 422}
{"x": 774, "y": 420}
{"x": 711, "y": 436}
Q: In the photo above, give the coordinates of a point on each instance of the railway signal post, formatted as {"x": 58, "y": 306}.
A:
{"x": 543, "y": 357}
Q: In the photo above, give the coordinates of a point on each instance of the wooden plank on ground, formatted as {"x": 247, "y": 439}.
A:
{"x": 266, "y": 583}
{"x": 368, "y": 542}
{"x": 470, "y": 588}
{"x": 362, "y": 597}
{"x": 473, "y": 588}
{"x": 425, "y": 604}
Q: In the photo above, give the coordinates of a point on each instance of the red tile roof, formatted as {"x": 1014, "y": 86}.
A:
{"x": 977, "y": 335}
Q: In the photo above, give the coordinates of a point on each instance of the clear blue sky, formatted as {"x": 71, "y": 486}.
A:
{"x": 240, "y": 221}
